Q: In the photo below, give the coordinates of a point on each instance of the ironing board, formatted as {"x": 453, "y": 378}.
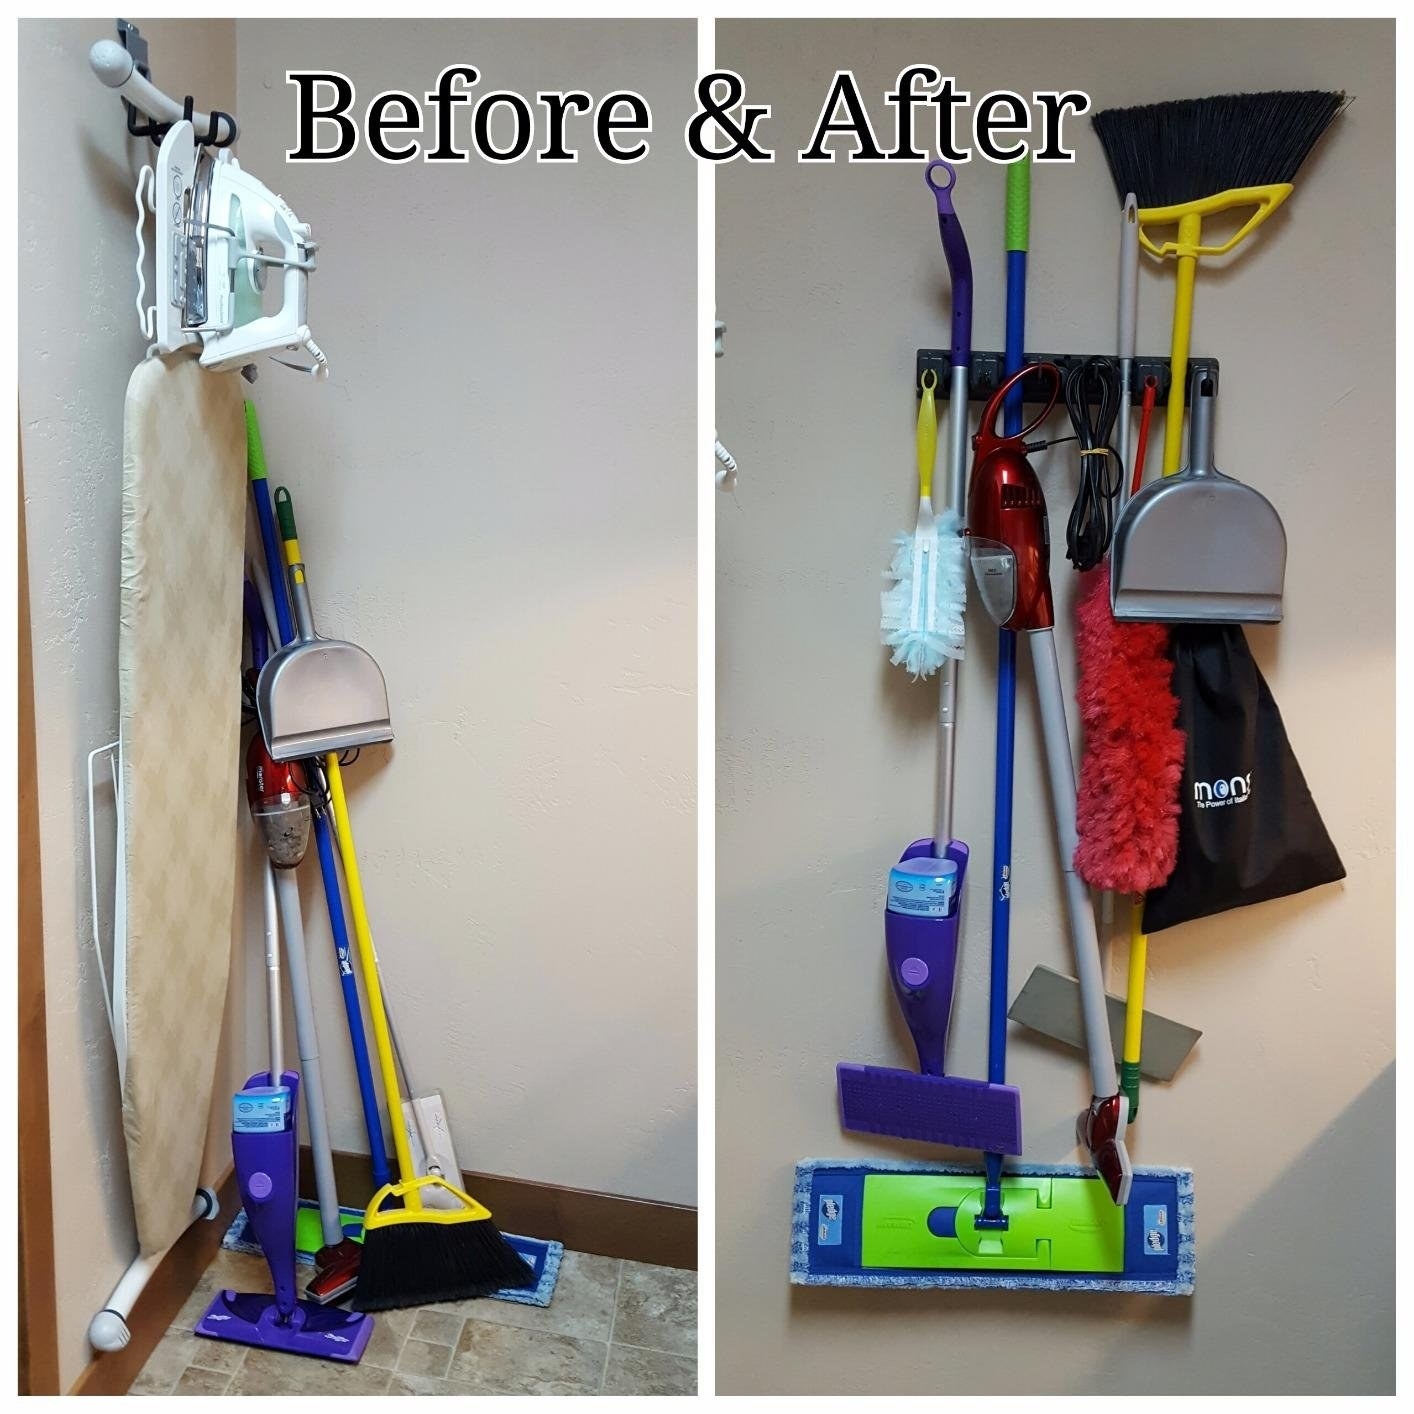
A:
{"x": 179, "y": 652}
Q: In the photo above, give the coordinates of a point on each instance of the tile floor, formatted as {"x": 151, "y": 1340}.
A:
{"x": 613, "y": 1328}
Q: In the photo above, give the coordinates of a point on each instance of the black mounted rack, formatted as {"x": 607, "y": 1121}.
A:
{"x": 985, "y": 373}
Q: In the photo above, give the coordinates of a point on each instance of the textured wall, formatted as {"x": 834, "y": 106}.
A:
{"x": 496, "y": 500}
{"x": 829, "y": 278}
{"x": 78, "y": 341}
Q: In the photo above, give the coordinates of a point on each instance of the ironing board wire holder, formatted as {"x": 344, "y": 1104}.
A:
{"x": 108, "y": 1330}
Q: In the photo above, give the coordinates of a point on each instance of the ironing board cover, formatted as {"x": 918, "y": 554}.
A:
{"x": 179, "y": 650}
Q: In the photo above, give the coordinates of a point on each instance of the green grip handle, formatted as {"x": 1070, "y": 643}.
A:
{"x": 254, "y": 447}
{"x": 285, "y": 513}
{"x": 1129, "y": 1085}
{"x": 1018, "y": 204}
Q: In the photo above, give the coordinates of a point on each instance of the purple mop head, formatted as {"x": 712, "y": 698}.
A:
{"x": 939, "y": 1109}
{"x": 253, "y": 1318}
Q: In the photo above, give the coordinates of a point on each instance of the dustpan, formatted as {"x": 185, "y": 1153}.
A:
{"x": 1199, "y": 547}
{"x": 318, "y": 694}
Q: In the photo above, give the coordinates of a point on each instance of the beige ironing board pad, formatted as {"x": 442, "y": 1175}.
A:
{"x": 179, "y": 654}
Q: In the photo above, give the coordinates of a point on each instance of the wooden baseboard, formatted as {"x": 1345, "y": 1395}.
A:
{"x": 173, "y": 1281}
{"x": 638, "y": 1229}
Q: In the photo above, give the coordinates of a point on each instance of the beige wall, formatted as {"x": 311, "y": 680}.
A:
{"x": 496, "y": 500}
{"x": 828, "y": 279}
{"x": 78, "y": 342}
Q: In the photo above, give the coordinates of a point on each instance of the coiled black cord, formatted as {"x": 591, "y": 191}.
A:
{"x": 1092, "y": 402}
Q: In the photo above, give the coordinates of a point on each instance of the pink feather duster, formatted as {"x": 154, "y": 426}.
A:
{"x": 1127, "y": 803}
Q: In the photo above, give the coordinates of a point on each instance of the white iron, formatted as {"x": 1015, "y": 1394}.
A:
{"x": 219, "y": 230}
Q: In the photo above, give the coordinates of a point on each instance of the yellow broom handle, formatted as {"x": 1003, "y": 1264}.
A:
{"x": 1134, "y": 1007}
{"x": 1190, "y": 236}
{"x": 363, "y": 937}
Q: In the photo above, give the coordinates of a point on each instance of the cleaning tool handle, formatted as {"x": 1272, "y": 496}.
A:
{"x": 1141, "y": 446}
{"x": 1128, "y": 276}
{"x": 1080, "y": 915}
{"x": 1133, "y": 1048}
{"x": 1190, "y": 231}
{"x": 285, "y": 512}
{"x": 372, "y": 983}
{"x": 1200, "y": 420}
{"x": 959, "y": 261}
{"x": 1018, "y": 205}
{"x": 927, "y": 435}
{"x": 1188, "y": 217}
{"x": 260, "y": 490}
{"x": 294, "y": 559}
{"x": 368, "y": 1096}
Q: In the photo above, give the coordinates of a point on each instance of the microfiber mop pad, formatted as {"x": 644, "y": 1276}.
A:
{"x": 901, "y": 1224}
{"x": 1131, "y": 769}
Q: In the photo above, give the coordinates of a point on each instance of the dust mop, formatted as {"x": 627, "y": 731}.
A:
{"x": 924, "y": 901}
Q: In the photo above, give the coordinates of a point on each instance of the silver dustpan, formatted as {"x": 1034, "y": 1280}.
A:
{"x": 1199, "y": 547}
{"x": 318, "y": 694}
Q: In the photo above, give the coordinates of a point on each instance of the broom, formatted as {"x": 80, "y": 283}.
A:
{"x": 1184, "y": 161}
{"x": 412, "y": 1255}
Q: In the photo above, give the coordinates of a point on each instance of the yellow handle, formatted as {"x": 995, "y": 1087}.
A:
{"x": 1264, "y": 200}
{"x": 927, "y": 436}
{"x": 1190, "y": 232}
{"x": 1134, "y": 1006}
{"x": 363, "y": 937}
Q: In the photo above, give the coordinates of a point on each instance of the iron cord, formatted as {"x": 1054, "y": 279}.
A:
{"x": 1092, "y": 396}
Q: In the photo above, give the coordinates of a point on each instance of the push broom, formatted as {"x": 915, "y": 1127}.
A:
{"x": 1183, "y": 162}
{"x": 412, "y": 1254}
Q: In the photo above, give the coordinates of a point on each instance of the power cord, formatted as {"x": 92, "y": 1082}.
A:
{"x": 1092, "y": 397}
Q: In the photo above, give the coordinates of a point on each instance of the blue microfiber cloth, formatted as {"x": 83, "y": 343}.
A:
{"x": 826, "y": 1271}
{"x": 544, "y": 1257}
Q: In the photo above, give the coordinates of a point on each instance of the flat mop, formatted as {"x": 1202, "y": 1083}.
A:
{"x": 924, "y": 904}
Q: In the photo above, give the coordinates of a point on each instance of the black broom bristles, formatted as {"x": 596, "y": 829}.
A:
{"x": 1171, "y": 153}
{"x": 420, "y": 1263}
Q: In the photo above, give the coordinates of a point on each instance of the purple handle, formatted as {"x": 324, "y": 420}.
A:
{"x": 922, "y": 954}
{"x": 959, "y": 263}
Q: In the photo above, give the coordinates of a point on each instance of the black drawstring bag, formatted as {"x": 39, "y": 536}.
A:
{"x": 1248, "y": 829}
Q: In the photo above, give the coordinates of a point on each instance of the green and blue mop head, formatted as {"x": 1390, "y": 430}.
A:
{"x": 903, "y": 1224}
{"x": 921, "y": 618}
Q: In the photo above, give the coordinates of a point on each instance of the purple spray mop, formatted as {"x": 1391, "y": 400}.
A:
{"x": 267, "y": 1165}
{"x": 924, "y": 908}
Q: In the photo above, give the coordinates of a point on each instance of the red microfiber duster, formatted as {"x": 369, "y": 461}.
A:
{"x": 1126, "y": 813}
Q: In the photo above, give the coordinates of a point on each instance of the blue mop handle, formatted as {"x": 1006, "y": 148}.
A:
{"x": 323, "y": 839}
{"x": 1017, "y": 240}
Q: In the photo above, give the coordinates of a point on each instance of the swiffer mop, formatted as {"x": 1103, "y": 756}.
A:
{"x": 412, "y": 1255}
{"x": 265, "y": 1146}
{"x": 924, "y": 904}
{"x": 1184, "y": 161}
